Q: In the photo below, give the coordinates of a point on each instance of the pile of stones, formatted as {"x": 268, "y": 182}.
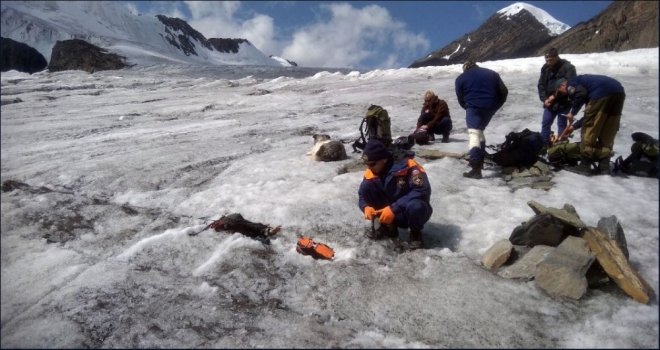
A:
{"x": 565, "y": 257}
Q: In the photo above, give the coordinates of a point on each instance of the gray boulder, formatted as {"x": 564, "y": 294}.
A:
{"x": 525, "y": 267}
{"x": 563, "y": 272}
{"x": 76, "y": 54}
{"x": 497, "y": 255}
{"x": 21, "y": 57}
{"x": 567, "y": 214}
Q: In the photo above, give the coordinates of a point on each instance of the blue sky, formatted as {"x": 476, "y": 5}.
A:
{"x": 358, "y": 34}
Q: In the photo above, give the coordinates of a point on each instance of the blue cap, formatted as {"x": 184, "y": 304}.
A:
{"x": 375, "y": 150}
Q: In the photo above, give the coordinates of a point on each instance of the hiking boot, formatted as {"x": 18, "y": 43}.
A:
{"x": 619, "y": 165}
{"x": 415, "y": 239}
{"x": 445, "y": 138}
{"x": 604, "y": 166}
{"x": 583, "y": 168}
{"x": 475, "y": 173}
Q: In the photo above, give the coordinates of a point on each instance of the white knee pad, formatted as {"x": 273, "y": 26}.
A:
{"x": 475, "y": 138}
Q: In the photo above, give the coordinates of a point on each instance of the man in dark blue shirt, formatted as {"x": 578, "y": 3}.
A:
{"x": 481, "y": 92}
{"x": 604, "y": 98}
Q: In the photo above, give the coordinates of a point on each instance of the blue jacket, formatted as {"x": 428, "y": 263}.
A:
{"x": 589, "y": 87}
{"x": 405, "y": 180}
{"x": 480, "y": 88}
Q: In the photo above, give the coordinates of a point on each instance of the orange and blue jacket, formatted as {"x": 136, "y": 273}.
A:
{"x": 404, "y": 181}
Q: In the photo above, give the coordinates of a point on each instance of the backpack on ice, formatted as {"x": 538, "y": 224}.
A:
{"x": 643, "y": 160}
{"x": 564, "y": 153}
{"x": 520, "y": 149}
{"x": 375, "y": 124}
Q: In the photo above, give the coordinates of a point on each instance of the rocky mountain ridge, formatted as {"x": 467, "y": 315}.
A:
{"x": 500, "y": 37}
{"x": 623, "y": 25}
{"x": 143, "y": 40}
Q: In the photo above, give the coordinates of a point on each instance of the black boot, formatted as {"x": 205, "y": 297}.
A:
{"x": 583, "y": 168}
{"x": 604, "y": 166}
{"x": 445, "y": 138}
{"x": 475, "y": 173}
{"x": 415, "y": 239}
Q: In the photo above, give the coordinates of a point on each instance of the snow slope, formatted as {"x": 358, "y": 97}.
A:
{"x": 131, "y": 161}
{"x": 110, "y": 25}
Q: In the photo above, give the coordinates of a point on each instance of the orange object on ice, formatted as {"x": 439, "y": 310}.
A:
{"x": 307, "y": 246}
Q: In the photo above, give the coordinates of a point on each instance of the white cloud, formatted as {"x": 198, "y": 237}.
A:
{"x": 132, "y": 8}
{"x": 225, "y": 10}
{"x": 347, "y": 37}
{"x": 219, "y": 19}
{"x": 351, "y": 36}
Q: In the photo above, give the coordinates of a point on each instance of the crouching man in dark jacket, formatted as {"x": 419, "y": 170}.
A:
{"x": 398, "y": 193}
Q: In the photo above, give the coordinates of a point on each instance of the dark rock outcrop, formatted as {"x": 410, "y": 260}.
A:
{"x": 500, "y": 37}
{"x": 227, "y": 45}
{"x": 623, "y": 25}
{"x": 76, "y": 54}
{"x": 182, "y": 41}
{"x": 20, "y": 57}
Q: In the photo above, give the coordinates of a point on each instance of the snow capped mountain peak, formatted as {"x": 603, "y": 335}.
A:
{"x": 144, "y": 40}
{"x": 554, "y": 26}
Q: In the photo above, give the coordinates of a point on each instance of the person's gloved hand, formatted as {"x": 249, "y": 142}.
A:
{"x": 369, "y": 212}
{"x": 386, "y": 215}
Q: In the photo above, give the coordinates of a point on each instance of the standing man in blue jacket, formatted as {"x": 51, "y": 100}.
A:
{"x": 554, "y": 106}
{"x": 604, "y": 97}
{"x": 481, "y": 92}
{"x": 398, "y": 193}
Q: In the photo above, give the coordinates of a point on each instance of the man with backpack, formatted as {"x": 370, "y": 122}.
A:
{"x": 481, "y": 92}
{"x": 554, "y": 106}
{"x": 604, "y": 97}
{"x": 396, "y": 193}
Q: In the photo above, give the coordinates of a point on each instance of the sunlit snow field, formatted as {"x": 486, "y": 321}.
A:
{"x": 131, "y": 161}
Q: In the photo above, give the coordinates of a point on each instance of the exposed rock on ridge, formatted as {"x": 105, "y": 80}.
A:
{"x": 20, "y": 57}
{"x": 624, "y": 25}
{"x": 79, "y": 54}
{"x": 500, "y": 37}
{"x": 182, "y": 40}
{"x": 227, "y": 45}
